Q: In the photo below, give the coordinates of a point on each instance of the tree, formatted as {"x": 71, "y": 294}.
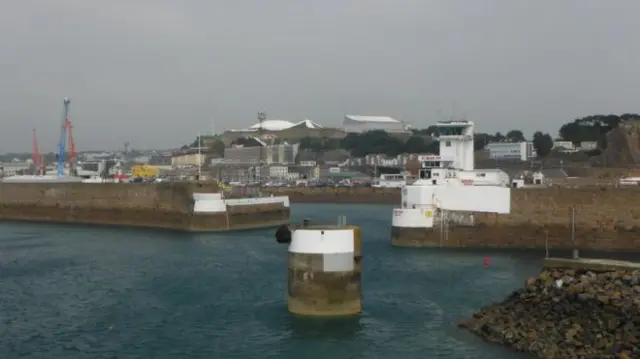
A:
{"x": 415, "y": 144}
{"x": 429, "y": 131}
{"x": 515, "y": 136}
{"x": 543, "y": 143}
{"x": 480, "y": 140}
{"x": 217, "y": 147}
{"x": 593, "y": 128}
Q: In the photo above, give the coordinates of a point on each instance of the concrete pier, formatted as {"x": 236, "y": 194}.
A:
{"x": 325, "y": 271}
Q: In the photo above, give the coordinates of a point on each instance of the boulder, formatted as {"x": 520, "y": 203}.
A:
{"x": 567, "y": 313}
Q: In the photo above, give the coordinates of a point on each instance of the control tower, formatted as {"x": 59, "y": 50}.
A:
{"x": 456, "y": 144}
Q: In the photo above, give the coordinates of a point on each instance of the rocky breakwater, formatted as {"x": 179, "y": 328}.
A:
{"x": 185, "y": 206}
{"x": 568, "y": 312}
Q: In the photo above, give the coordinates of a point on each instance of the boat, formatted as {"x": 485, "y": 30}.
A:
{"x": 449, "y": 190}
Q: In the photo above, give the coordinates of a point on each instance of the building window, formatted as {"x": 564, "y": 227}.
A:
{"x": 448, "y": 143}
{"x": 481, "y": 175}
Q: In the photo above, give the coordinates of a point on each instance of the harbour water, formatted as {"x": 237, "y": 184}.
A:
{"x": 91, "y": 292}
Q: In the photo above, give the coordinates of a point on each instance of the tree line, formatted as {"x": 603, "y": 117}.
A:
{"x": 590, "y": 128}
{"x": 377, "y": 141}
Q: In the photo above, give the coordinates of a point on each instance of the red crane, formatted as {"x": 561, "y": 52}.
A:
{"x": 71, "y": 156}
{"x": 36, "y": 153}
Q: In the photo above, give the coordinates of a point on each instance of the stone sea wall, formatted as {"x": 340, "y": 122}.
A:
{"x": 161, "y": 205}
{"x": 169, "y": 196}
{"x": 560, "y": 218}
{"x": 568, "y": 313}
{"x": 596, "y": 217}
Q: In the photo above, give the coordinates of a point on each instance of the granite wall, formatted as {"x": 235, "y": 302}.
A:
{"x": 600, "y": 217}
{"x": 561, "y": 218}
{"x": 158, "y": 205}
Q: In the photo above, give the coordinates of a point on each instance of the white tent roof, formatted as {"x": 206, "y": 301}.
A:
{"x": 280, "y": 125}
{"x": 378, "y": 119}
{"x": 273, "y": 125}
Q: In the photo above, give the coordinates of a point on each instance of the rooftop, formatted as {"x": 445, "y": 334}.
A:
{"x": 377, "y": 119}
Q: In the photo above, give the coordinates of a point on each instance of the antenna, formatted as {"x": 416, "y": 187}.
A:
{"x": 199, "y": 156}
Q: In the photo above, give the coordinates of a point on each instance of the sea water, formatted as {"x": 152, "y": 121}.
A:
{"x": 95, "y": 292}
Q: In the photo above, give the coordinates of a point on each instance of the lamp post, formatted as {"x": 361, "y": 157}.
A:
{"x": 262, "y": 116}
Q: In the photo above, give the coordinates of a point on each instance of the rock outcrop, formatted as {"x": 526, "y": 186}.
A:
{"x": 567, "y": 313}
{"x": 623, "y": 146}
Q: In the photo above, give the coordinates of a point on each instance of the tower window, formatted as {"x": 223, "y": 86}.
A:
{"x": 448, "y": 143}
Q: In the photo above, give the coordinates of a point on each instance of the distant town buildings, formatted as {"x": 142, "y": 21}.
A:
{"x": 569, "y": 147}
{"x": 188, "y": 159}
{"x": 524, "y": 151}
{"x": 272, "y": 154}
{"x": 521, "y": 151}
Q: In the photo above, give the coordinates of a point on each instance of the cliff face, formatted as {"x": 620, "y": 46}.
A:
{"x": 623, "y": 146}
{"x": 567, "y": 313}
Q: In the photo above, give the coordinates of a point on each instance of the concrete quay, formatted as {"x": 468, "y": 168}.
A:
{"x": 602, "y": 218}
{"x": 146, "y": 205}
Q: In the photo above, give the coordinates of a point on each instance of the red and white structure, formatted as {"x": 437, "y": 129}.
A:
{"x": 449, "y": 182}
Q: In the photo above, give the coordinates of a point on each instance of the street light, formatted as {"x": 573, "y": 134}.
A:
{"x": 262, "y": 116}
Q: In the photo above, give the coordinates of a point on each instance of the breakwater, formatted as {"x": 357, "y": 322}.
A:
{"x": 340, "y": 195}
{"x": 560, "y": 218}
{"x": 557, "y": 217}
{"x": 573, "y": 309}
{"x": 157, "y": 205}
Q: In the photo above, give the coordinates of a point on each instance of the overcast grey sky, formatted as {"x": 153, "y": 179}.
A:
{"x": 155, "y": 72}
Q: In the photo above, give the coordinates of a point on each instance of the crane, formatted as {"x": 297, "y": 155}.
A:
{"x": 36, "y": 153}
{"x": 71, "y": 151}
{"x": 63, "y": 137}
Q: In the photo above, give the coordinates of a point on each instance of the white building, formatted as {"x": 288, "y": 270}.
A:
{"x": 569, "y": 147}
{"x": 521, "y": 151}
{"x": 280, "y": 125}
{"x": 485, "y": 177}
{"x": 360, "y": 124}
{"x": 564, "y": 146}
{"x": 279, "y": 172}
{"x": 588, "y": 145}
{"x": 456, "y": 144}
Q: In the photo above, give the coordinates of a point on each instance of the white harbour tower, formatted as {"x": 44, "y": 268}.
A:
{"x": 449, "y": 191}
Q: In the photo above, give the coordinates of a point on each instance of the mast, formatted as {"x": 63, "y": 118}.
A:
{"x": 199, "y": 156}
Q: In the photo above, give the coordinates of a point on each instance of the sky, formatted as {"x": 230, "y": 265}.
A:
{"x": 157, "y": 72}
